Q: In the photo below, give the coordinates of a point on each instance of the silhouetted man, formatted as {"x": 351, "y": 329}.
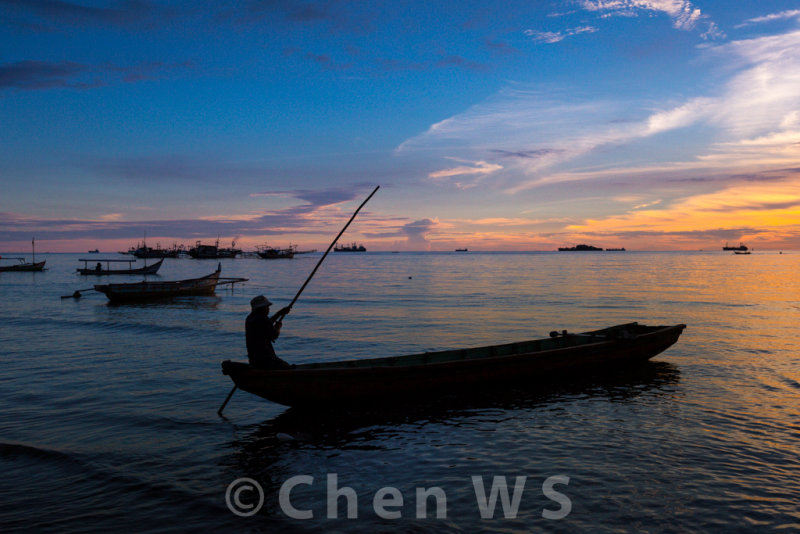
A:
{"x": 261, "y": 331}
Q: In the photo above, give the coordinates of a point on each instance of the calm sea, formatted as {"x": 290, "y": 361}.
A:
{"x": 109, "y": 412}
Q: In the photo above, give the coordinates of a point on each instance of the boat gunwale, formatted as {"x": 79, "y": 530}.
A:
{"x": 362, "y": 366}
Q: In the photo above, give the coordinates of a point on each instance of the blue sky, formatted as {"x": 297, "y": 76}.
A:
{"x": 650, "y": 124}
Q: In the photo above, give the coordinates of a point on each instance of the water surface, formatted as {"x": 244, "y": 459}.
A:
{"x": 109, "y": 412}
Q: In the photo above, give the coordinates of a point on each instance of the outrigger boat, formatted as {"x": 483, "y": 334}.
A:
{"x": 22, "y": 266}
{"x": 398, "y": 378}
{"x": 98, "y": 269}
{"x": 147, "y": 290}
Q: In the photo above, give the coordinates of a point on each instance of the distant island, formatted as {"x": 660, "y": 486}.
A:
{"x": 580, "y": 248}
{"x": 588, "y": 248}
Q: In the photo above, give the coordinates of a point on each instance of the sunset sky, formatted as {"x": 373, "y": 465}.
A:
{"x": 648, "y": 124}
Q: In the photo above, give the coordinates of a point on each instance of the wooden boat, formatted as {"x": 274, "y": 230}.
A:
{"x": 399, "y": 378}
{"x": 163, "y": 290}
{"x": 98, "y": 268}
{"x": 22, "y": 266}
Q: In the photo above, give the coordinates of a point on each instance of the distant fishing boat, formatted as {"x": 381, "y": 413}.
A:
{"x": 580, "y": 248}
{"x": 98, "y": 268}
{"x": 741, "y": 247}
{"x": 271, "y": 253}
{"x": 350, "y": 248}
{"x": 622, "y": 249}
{"x": 23, "y": 265}
{"x": 95, "y": 251}
{"x": 204, "y": 252}
{"x": 147, "y": 290}
{"x": 430, "y": 374}
{"x": 461, "y": 250}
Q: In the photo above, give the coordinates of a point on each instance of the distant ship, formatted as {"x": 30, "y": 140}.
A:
{"x": 740, "y": 247}
{"x": 615, "y": 249}
{"x": 350, "y": 248}
{"x": 461, "y": 250}
{"x": 579, "y": 248}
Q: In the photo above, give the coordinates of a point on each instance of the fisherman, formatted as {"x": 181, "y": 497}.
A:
{"x": 261, "y": 331}
{"x": 98, "y": 267}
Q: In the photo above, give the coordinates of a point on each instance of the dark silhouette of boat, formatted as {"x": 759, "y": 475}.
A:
{"x": 396, "y": 378}
{"x": 213, "y": 252}
{"x": 622, "y": 249}
{"x": 350, "y": 248}
{"x": 23, "y": 265}
{"x": 98, "y": 268}
{"x": 147, "y": 290}
{"x": 271, "y": 253}
{"x": 741, "y": 247}
{"x": 580, "y": 248}
{"x": 461, "y": 250}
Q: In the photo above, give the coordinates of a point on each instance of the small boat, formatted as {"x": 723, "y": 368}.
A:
{"x": 22, "y": 265}
{"x": 350, "y": 248}
{"x": 95, "y": 251}
{"x": 622, "y": 249}
{"x": 146, "y": 290}
{"x": 98, "y": 268}
{"x": 398, "y": 378}
{"x": 462, "y": 250}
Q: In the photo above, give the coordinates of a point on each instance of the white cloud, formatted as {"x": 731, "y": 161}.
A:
{"x": 684, "y": 15}
{"x": 751, "y": 122}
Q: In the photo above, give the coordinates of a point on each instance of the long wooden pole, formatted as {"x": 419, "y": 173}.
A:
{"x": 289, "y": 307}
{"x": 330, "y": 247}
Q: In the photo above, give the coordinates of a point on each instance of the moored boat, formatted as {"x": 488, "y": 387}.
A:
{"x": 98, "y": 268}
{"x": 22, "y": 265}
{"x": 147, "y": 290}
{"x": 399, "y": 378}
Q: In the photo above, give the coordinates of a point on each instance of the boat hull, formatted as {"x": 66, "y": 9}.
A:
{"x": 424, "y": 375}
{"x": 139, "y": 291}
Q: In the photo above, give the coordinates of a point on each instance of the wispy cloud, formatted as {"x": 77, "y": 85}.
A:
{"x": 125, "y": 13}
{"x": 36, "y": 75}
{"x": 477, "y": 169}
{"x": 783, "y": 15}
{"x": 557, "y": 36}
{"x": 684, "y": 14}
{"x": 751, "y": 121}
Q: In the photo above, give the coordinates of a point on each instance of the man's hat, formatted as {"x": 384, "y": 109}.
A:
{"x": 259, "y": 302}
